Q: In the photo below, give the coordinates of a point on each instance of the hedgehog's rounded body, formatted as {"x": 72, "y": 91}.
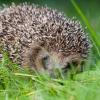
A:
{"x": 36, "y": 35}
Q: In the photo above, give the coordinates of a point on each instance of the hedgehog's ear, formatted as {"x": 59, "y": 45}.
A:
{"x": 41, "y": 43}
{"x": 30, "y": 55}
{"x": 34, "y": 55}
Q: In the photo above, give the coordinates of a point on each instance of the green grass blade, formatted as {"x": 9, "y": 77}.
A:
{"x": 94, "y": 36}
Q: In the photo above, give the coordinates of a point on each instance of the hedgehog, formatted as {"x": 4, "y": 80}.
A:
{"x": 42, "y": 38}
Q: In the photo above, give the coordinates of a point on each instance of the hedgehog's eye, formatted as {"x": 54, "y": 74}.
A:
{"x": 45, "y": 61}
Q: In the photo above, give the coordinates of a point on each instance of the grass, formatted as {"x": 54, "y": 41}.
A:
{"x": 20, "y": 84}
{"x": 94, "y": 36}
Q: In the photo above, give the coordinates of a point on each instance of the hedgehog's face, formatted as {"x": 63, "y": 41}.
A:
{"x": 52, "y": 60}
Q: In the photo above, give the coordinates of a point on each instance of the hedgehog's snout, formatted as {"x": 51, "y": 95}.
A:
{"x": 54, "y": 60}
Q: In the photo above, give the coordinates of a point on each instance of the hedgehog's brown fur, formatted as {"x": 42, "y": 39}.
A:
{"x": 29, "y": 33}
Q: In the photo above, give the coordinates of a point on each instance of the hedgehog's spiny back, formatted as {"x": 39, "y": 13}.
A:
{"x": 22, "y": 25}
